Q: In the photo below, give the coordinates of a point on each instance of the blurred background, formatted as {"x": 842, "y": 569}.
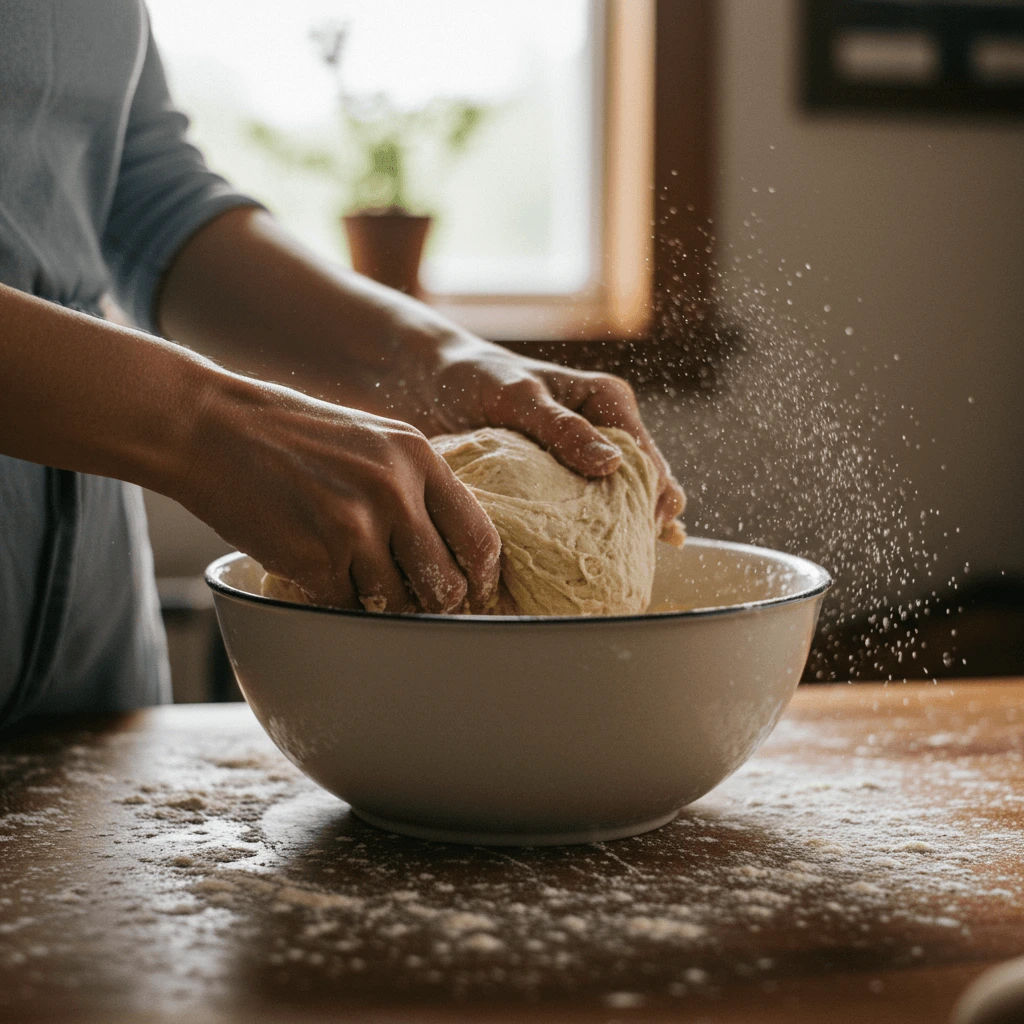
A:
{"x": 514, "y": 212}
{"x": 797, "y": 226}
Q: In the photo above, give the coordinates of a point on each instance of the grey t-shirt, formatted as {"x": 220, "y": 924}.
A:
{"x": 99, "y": 189}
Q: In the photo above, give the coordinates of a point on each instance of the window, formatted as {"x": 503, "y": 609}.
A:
{"x": 541, "y": 220}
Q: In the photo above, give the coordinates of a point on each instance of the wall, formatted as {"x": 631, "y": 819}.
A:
{"x": 182, "y": 545}
{"x": 920, "y": 219}
{"x": 914, "y": 229}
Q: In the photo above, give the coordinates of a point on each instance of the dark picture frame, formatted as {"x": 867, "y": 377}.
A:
{"x": 943, "y": 70}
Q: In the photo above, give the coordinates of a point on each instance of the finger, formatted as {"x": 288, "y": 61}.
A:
{"x": 428, "y": 565}
{"x": 570, "y": 437}
{"x": 334, "y": 591}
{"x": 672, "y": 532}
{"x": 467, "y": 530}
{"x": 379, "y": 583}
{"x": 671, "y": 503}
{"x": 611, "y": 403}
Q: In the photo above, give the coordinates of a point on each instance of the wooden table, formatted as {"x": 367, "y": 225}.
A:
{"x": 864, "y": 866}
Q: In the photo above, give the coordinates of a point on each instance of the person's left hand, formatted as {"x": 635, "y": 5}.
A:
{"x": 479, "y": 384}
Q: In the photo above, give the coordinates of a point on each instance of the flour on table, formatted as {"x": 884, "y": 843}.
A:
{"x": 228, "y": 839}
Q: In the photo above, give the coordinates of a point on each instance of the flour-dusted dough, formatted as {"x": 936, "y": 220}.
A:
{"x": 281, "y": 589}
{"x": 570, "y": 546}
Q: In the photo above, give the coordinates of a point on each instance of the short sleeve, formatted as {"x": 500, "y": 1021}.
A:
{"x": 164, "y": 194}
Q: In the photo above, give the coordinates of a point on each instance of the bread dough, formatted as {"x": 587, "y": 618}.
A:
{"x": 281, "y": 589}
{"x": 570, "y": 546}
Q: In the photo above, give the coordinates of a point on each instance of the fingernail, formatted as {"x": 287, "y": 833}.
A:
{"x": 600, "y": 454}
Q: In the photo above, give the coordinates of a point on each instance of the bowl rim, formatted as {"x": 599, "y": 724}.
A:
{"x": 823, "y": 581}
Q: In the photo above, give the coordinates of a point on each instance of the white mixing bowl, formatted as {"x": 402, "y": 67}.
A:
{"x": 530, "y": 731}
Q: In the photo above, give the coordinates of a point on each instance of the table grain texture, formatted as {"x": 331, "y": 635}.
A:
{"x": 864, "y": 866}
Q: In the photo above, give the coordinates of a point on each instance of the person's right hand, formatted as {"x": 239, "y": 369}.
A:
{"x": 350, "y": 506}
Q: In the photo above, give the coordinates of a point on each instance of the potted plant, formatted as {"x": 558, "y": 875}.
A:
{"x": 385, "y": 226}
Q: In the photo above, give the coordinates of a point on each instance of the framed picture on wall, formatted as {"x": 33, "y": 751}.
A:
{"x": 939, "y": 56}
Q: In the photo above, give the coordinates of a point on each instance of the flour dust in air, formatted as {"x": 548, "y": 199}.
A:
{"x": 775, "y": 418}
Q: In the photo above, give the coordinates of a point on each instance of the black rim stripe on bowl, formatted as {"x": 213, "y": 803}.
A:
{"x": 476, "y": 620}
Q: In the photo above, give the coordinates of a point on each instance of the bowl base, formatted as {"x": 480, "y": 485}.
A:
{"x": 568, "y": 838}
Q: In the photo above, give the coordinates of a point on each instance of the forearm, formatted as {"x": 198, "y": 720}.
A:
{"x": 243, "y": 292}
{"x": 340, "y": 501}
{"x": 79, "y": 393}
{"x": 246, "y": 294}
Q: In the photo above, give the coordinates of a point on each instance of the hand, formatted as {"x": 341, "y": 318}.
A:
{"x": 244, "y": 292}
{"x": 350, "y": 506}
{"x": 480, "y": 384}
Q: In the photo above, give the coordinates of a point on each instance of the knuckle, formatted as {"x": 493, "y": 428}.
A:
{"x": 357, "y": 524}
{"x": 407, "y": 503}
{"x": 416, "y": 452}
{"x": 566, "y": 418}
{"x": 453, "y": 592}
{"x": 618, "y": 390}
{"x": 413, "y": 440}
{"x": 324, "y": 557}
{"x": 527, "y": 389}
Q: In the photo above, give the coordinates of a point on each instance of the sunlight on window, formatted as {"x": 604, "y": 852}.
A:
{"x": 514, "y": 201}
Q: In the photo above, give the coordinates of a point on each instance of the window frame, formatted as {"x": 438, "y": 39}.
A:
{"x": 616, "y": 301}
{"x": 655, "y": 180}
{"x": 682, "y": 339}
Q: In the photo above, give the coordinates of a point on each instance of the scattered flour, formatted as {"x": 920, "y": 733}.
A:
{"x": 242, "y": 844}
{"x": 317, "y": 900}
{"x": 625, "y": 1000}
{"x": 458, "y": 922}
{"x": 481, "y": 942}
{"x": 663, "y": 929}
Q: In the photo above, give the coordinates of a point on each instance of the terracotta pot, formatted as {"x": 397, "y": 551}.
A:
{"x": 387, "y": 246}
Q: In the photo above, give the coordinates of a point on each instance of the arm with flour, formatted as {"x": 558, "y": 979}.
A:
{"x": 342, "y": 501}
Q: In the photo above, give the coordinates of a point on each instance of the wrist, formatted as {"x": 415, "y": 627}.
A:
{"x": 183, "y": 430}
{"x": 398, "y": 377}
{"x": 436, "y": 346}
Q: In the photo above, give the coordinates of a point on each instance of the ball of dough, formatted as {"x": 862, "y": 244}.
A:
{"x": 570, "y": 546}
